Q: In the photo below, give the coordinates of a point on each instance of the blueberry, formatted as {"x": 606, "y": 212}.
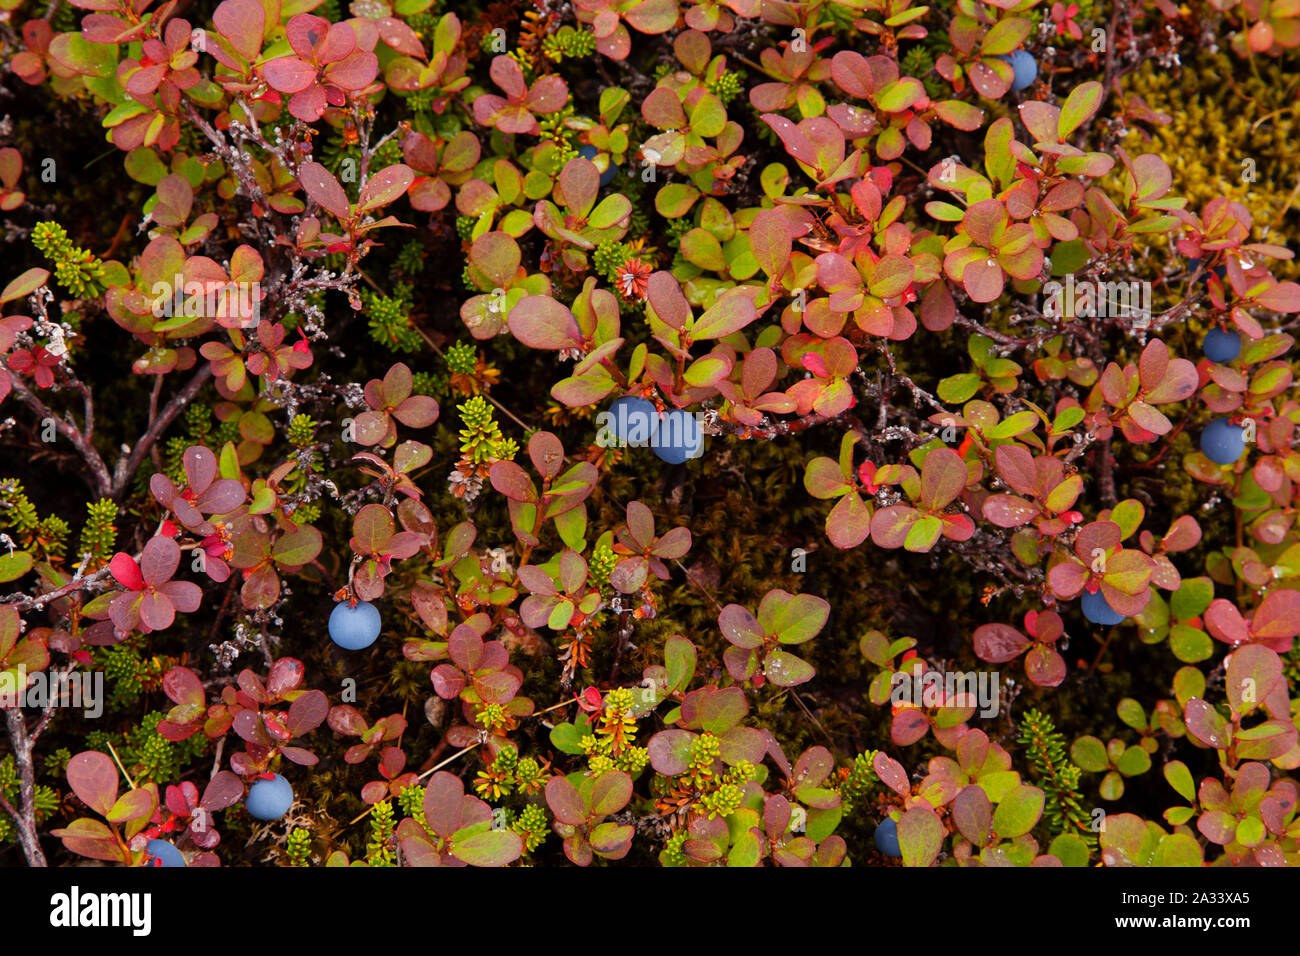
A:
{"x": 1221, "y": 345}
{"x": 590, "y": 152}
{"x": 1096, "y": 609}
{"x": 353, "y": 628}
{"x": 634, "y": 420}
{"x": 678, "y": 437}
{"x": 269, "y": 799}
{"x": 886, "y": 838}
{"x": 1222, "y": 441}
{"x": 164, "y": 853}
{"x": 1025, "y": 68}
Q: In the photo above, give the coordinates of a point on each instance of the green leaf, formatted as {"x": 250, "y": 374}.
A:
{"x": 920, "y": 836}
{"x": 1192, "y": 598}
{"x": 1180, "y": 778}
{"x": 489, "y": 848}
{"x": 1131, "y": 712}
{"x": 1070, "y": 850}
{"x": 1079, "y": 107}
{"x": 679, "y": 660}
{"x": 15, "y": 565}
{"x": 956, "y": 389}
{"x": 1134, "y": 762}
{"x": 1178, "y": 849}
{"x": 1089, "y": 754}
{"x": 1018, "y": 812}
{"x": 567, "y": 737}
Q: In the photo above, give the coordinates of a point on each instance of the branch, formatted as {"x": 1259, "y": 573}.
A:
{"x": 76, "y": 584}
{"x": 101, "y": 483}
{"x": 25, "y": 819}
{"x": 126, "y": 467}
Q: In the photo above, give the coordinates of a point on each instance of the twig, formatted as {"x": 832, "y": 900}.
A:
{"x": 25, "y": 819}
{"x": 101, "y": 484}
{"x": 126, "y": 466}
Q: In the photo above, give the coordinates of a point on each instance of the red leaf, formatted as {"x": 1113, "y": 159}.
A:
{"x": 93, "y": 778}
{"x": 998, "y": 643}
{"x": 126, "y": 571}
{"x": 319, "y": 183}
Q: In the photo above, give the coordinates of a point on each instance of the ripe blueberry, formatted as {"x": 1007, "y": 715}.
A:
{"x": 886, "y": 838}
{"x": 1098, "y": 610}
{"x": 634, "y": 420}
{"x": 678, "y": 437}
{"x": 353, "y": 628}
{"x": 1221, "y": 345}
{"x": 269, "y": 799}
{"x": 1222, "y": 441}
{"x": 1025, "y": 68}
{"x": 164, "y": 853}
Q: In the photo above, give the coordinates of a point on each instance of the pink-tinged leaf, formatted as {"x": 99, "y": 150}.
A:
{"x": 356, "y": 72}
{"x": 508, "y": 75}
{"x": 889, "y": 526}
{"x": 610, "y": 792}
{"x": 1206, "y": 725}
{"x": 183, "y": 686}
{"x": 1278, "y": 616}
{"x": 943, "y": 476}
{"x": 92, "y": 839}
{"x": 972, "y": 813}
{"x": 998, "y": 643}
{"x": 1283, "y": 297}
{"x": 319, "y": 183}
{"x": 1225, "y": 623}
{"x": 849, "y": 523}
{"x": 908, "y": 726}
{"x": 93, "y": 778}
{"x": 891, "y": 774}
{"x": 307, "y": 712}
{"x": 372, "y": 526}
{"x": 156, "y": 612}
{"x": 444, "y": 803}
{"x": 288, "y": 74}
{"x": 184, "y": 596}
{"x": 1178, "y": 384}
{"x": 1009, "y": 511}
{"x": 399, "y": 36}
{"x": 24, "y": 285}
{"x": 541, "y": 322}
{"x": 243, "y": 23}
{"x": 670, "y": 751}
{"x": 385, "y": 186}
{"x": 223, "y": 790}
{"x": 664, "y": 294}
{"x": 770, "y": 241}
{"x": 1044, "y": 666}
{"x": 1254, "y": 673}
{"x": 548, "y": 94}
{"x": 566, "y": 802}
{"x": 512, "y": 481}
{"x": 417, "y": 411}
{"x": 983, "y": 280}
{"x": 159, "y": 560}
